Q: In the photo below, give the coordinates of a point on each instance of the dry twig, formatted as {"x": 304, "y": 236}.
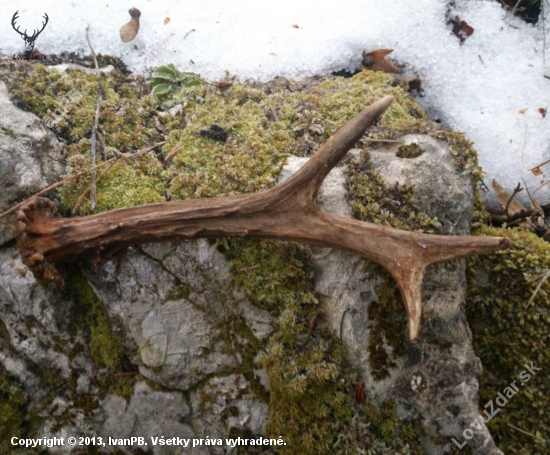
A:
{"x": 100, "y": 96}
{"x": 80, "y": 174}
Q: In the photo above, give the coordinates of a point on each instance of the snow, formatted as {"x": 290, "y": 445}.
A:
{"x": 478, "y": 87}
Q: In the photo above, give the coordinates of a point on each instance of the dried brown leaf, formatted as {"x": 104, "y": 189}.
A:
{"x": 376, "y": 61}
{"x": 461, "y": 29}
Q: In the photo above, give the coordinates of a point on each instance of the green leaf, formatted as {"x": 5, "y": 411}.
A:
{"x": 157, "y": 80}
{"x": 169, "y": 73}
{"x": 161, "y": 89}
{"x": 176, "y": 89}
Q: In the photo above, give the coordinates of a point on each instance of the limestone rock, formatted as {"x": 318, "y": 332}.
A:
{"x": 227, "y": 402}
{"x": 147, "y": 413}
{"x": 171, "y": 301}
{"x": 30, "y": 156}
{"x": 436, "y": 381}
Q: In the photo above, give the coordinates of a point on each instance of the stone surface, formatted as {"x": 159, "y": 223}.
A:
{"x": 170, "y": 304}
{"x": 227, "y": 402}
{"x": 436, "y": 382}
{"x": 30, "y": 158}
{"x": 171, "y": 301}
{"x": 147, "y": 413}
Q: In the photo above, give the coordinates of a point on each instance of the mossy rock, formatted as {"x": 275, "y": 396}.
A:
{"x": 12, "y": 411}
{"x": 312, "y": 401}
{"x": 509, "y": 333}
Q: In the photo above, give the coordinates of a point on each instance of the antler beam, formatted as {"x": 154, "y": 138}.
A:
{"x": 289, "y": 211}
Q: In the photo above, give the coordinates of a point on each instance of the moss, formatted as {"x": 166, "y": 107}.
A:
{"x": 409, "y": 151}
{"x": 311, "y": 404}
{"x": 12, "y": 411}
{"x": 464, "y": 154}
{"x": 387, "y": 324}
{"x": 126, "y": 123}
{"x": 373, "y": 201}
{"x": 272, "y": 274}
{"x": 509, "y": 333}
{"x": 105, "y": 346}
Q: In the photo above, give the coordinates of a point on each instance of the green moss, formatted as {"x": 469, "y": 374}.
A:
{"x": 310, "y": 402}
{"x": 105, "y": 346}
{"x": 373, "y": 201}
{"x": 509, "y": 333}
{"x": 126, "y": 123}
{"x": 387, "y": 324}
{"x": 412, "y": 150}
{"x": 12, "y": 410}
{"x": 273, "y": 274}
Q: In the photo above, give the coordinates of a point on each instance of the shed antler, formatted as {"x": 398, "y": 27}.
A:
{"x": 289, "y": 211}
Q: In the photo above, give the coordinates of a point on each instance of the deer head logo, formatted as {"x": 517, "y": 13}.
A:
{"x": 29, "y": 40}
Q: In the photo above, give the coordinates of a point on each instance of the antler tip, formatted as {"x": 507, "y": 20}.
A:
{"x": 414, "y": 328}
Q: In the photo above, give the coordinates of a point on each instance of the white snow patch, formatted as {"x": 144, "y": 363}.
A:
{"x": 478, "y": 87}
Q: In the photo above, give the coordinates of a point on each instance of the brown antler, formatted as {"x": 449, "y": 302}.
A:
{"x": 289, "y": 211}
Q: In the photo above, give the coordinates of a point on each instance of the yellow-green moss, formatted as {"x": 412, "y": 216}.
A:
{"x": 409, "y": 151}
{"x": 373, "y": 201}
{"x": 105, "y": 345}
{"x": 509, "y": 333}
{"x": 126, "y": 123}
{"x": 312, "y": 401}
{"x": 12, "y": 410}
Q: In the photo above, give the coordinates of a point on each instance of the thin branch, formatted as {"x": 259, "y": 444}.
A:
{"x": 544, "y": 278}
{"x": 80, "y": 174}
{"x": 525, "y": 432}
{"x": 503, "y": 218}
{"x": 93, "y": 189}
{"x": 524, "y": 143}
{"x": 103, "y": 146}
{"x": 543, "y": 36}
{"x": 543, "y": 215}
{"x": 517, "y": 190}
{"x": 90, "y": 186}
{"x": 383, "y": 140}
{"x": 513, "y": 11}
{"x": 55, "y": 185}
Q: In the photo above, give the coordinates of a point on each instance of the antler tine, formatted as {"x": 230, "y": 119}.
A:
{"x": 13, "y": 19}
{"x": 38, "y": 32}
{"x": 44, "y": 26}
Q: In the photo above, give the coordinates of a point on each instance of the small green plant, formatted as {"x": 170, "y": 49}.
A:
{"x": 168, "y": 80}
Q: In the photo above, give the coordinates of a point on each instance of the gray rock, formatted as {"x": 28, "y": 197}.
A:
{"x": 226, "y": 402}
{"x": 37, "y": 345}
{"x": 436, "y": 382}
{"x": 170, "y": 302}
{"x": 148, "y": 414}
{"x": 30, "y": 158}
